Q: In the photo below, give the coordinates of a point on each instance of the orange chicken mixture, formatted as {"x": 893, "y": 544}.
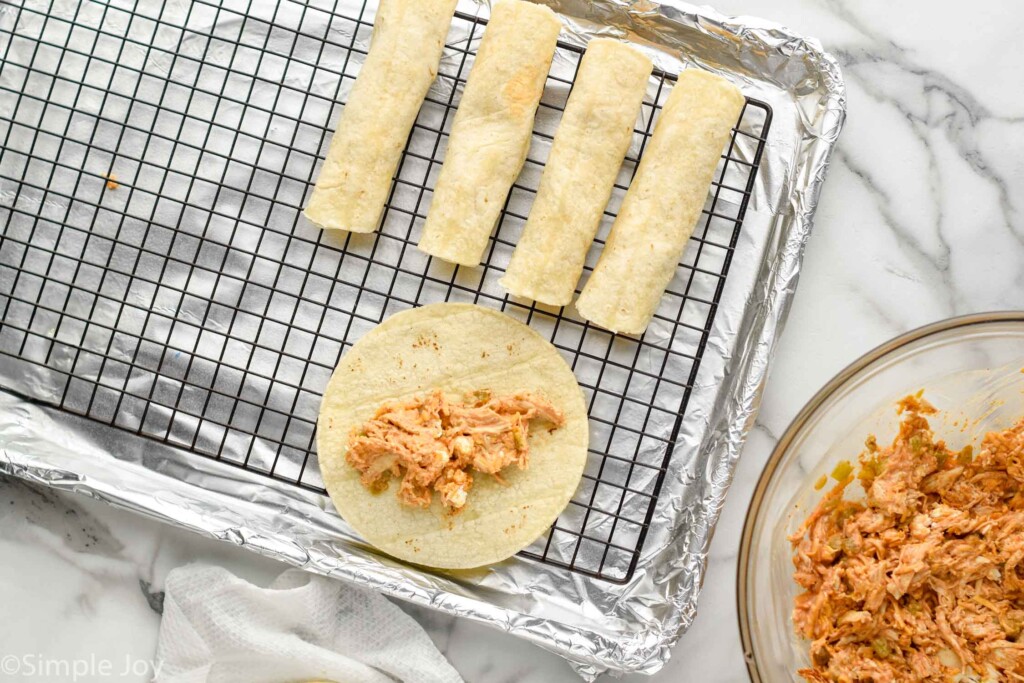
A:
{"x": 436, "y": 444}
{"x": 922, "y": 579}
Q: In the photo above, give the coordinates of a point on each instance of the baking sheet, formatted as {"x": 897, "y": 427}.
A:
{"x": 596, "y": 624}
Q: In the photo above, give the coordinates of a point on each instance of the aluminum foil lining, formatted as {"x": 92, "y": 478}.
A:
{"x": 598, "y": 626}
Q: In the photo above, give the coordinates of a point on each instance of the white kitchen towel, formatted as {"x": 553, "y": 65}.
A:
{"x": 218, "y": 628}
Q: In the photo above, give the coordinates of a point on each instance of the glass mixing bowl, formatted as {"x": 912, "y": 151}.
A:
{"x": 971, "y": 368}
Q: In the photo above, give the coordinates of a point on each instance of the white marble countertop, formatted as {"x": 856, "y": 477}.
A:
{"x": 922, "y": 218}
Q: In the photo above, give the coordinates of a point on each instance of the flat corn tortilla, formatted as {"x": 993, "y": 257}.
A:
{"x": 663, "y": 203}
{"x": 455, "y": 348}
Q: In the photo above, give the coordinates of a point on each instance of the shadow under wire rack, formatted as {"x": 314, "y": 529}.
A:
{"x": 156, "y": 275}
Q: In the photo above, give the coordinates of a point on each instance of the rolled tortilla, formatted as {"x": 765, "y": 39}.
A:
{"x": 590, "y": 144}
{"x": 405, "y": 51}
{"x": 491, "y": 133}
{"x": 663, "y": 203}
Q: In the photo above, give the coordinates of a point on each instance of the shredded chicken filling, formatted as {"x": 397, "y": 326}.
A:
{"x": 435, "y": 445}
{"x": 922, "y": 579}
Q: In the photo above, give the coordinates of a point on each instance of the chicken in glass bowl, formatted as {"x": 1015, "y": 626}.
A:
{"x": 879, "y": 542}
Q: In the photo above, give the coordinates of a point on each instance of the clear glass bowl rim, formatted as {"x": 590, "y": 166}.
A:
{"x": 840, "y": 380}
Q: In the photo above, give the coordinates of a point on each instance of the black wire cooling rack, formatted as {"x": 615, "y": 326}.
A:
{"x": 156, "y": 276}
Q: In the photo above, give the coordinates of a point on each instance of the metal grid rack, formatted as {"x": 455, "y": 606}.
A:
{"x": 155, "y": 274}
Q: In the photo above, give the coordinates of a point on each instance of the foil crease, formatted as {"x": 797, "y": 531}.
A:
{"x": 598, "y": 626}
